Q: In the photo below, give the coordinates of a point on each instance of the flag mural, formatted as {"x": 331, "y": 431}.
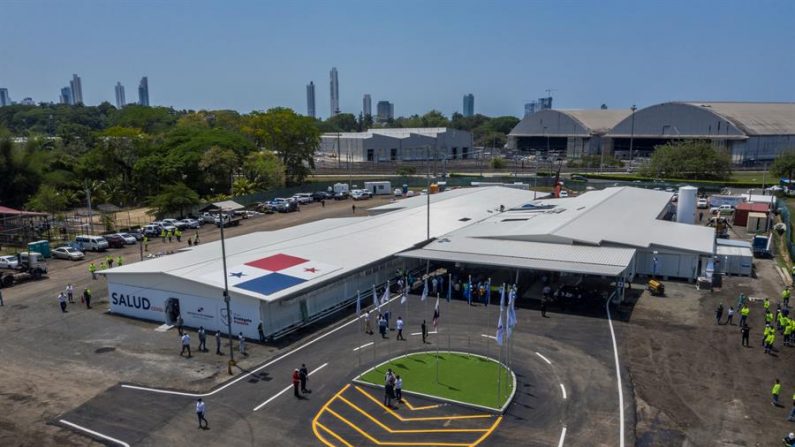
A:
{"x": 424, "y": 291}
{"x": 511, "y": 318}
{"x": 358, "y": 303}
{"x": 436, "y": 313}
{"x": 376, "y": 302}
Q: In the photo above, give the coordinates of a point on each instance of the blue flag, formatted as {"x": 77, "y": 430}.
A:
{"x": 469, "y": 290}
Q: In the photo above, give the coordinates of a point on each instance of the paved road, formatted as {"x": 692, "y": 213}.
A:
{"x": 569, "y": 350}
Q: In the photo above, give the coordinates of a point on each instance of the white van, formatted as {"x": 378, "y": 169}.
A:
{"x": 93, "y": 243}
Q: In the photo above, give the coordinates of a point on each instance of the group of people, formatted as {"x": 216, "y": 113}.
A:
{"x": 393, "y": 388}
{"x": 383, "y": 325}
{"x": 300, "y": 377}
{"x": 104, "y": 264}
{"x": 67, "y": 296}
{"x": 201, "y": 333}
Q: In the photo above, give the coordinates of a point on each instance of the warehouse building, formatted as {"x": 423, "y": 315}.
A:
{"x": 751, "y": 132}
{"x": 570, "y": 133}
{"x": 294, "y": 276}
{"x": 404, "y": 144}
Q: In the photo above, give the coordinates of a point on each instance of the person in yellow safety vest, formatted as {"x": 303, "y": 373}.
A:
{"x": 103, "y": 266}
{"x": 92, "y": 268}
{"x": 768, "y": 317}
{"x": 766, "y": 304}
{"x": 178, "y": 234}
{"x": 744, "y": 312}
{"x": 769, "y": 340}
{"x": 118, "y": 261}
{"x": 163, "y": 235}
{"x": 765, "y": 333}
{"x": 785, "y": 294}
{"x": 146, "y": 243}
{"x": 787, "y": 331}
{"x": 775, "y": 392}
{"x": 109, "y": 260}
{"x": 170, "y": 234}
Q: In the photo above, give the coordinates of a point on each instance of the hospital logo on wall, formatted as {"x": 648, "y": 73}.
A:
{"x": 273, "y": 274}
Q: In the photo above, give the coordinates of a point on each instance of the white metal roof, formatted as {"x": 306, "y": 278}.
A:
{"x": 755, "y": 118}
{"x": 339, "y": 245}
{"x": 608, "y": 261}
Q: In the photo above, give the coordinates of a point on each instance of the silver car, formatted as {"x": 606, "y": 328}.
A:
{"x": 8, "y": 262}
{"x": 129, "y": 239}
{"x": 68, "y": 253}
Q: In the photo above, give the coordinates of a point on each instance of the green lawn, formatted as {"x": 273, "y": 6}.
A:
{"x": 754, "y": 176}
{"x": 468, "y": 379}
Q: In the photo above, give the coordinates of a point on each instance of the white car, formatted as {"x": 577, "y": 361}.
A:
{"x": 68, "y": 253}
{"x": 190, "y": 223}
{"x": 303, "y": 198}
{"x": 702, "y": 203}
{"x": 564, "y": 194}
{"x": 8, "y": 262}
{"x": 128, "y": 238}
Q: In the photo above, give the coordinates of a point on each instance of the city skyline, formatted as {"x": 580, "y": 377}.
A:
{"x": 120, "y": 100}
{"x": 469, "y": 105}
{"x": 626, "y": 47}
{"x": 143, "y": 91}
{"x": 310, "y": 100}
{"x": 334, "y": 91}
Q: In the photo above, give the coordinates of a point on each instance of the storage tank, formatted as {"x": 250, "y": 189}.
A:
{"x": 686, "y": 205}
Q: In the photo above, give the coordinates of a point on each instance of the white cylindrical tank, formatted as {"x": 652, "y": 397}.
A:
{"x": 686, "y": 205}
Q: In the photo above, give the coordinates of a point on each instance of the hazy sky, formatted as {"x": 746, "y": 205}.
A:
{"x": 421, "y": 55}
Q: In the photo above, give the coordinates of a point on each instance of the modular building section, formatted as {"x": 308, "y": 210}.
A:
{"x": 757, "y": 223}
{"x": 734, "y": 260}
{"x": 669, "y": 263}
{"x": 743, "y": 209}
{"x": 379, "y": 188}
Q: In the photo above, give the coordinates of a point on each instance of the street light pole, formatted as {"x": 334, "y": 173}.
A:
{"x": 428, "y": 194}
{"x": 226, "y": 295}
{"x": 632, "y": 136}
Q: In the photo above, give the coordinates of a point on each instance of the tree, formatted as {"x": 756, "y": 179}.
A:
{"x": 342, "y": 122}
{"x": 219, "y": 164}
{"x": 174, "y": 200}
{"x": 498, "y": 163}
{"x": 264, "y": 170}
{"x": 691, "y": 159}
{"x": 47, "y": 199}
{"x": 243, "y": 186}
{"x": 294, "y": 138}
{"x": 784, "y": 165}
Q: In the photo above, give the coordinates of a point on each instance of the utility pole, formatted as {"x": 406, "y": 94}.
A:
{"x": 90, "y": 211}
{"x": 428, "y": 194}
{"x": 632, "y": 136}
{"x": 226, "y": 295}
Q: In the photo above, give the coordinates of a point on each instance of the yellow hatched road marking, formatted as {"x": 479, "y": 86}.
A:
{"x": 434, "y": 418}
{"x": 335, "y": 435}
{"x": 489, "y": 432}
{"x": 426, "y": 407}
{"x": 429, "y": 430}
{"x": 315, "y": 422}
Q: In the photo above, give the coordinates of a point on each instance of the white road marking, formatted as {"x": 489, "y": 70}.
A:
{"x": 286, "y": 389}
{"x": 563, "y": 390}
{"x": 363, "y": 346}
{"x": 488, "y": 336}
{"x": 542, "y": 356}
{"x": 420, "y": 333}
{"x": 253, "y": 371}
{"x": 618, "y": 376}
{"x": 562, "y": 437}
{"x": 95, "y": 433}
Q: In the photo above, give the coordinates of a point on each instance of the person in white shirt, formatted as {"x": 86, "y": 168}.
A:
{"x": 242, "y": 343}
{"x": 70, "y": 292}
{"x": 201, "y": 410}
{"x": 185, "y": 344}
{"x": 62, "y": 302}
{"x": 399, "y": 324}
{"x": 399, "y": 389}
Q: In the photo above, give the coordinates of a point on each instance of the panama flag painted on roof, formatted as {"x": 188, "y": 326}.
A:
{"x": 272, "y": 274}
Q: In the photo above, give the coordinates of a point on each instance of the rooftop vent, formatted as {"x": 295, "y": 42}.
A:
{"x": 464, "y": 219}
{"x": 514, "y": 219}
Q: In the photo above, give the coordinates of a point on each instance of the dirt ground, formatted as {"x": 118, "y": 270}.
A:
{"x": 695, "y": 385}
{"x": 52, "y": 362}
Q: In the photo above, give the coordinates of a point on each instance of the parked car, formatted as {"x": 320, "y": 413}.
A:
{"x": 68, "y": 253}
{"x": 723, "y": 209}
{"x": 342, "y": 195}
{"x": 165, "y": 226}
{"x": 115, "y": 241}
{"x": 317, "y": 196}
{"x": 8, "y": 262}
{"x": 564, "y": 194}
{"x": 174, "y": 223}
{"x": 702, "y": 203}
{"x": 397, "y": 192}
{"x": 137, "y": 234}
{"x": 152, "y": 230}
{"x": 303, "y": 198}
{"x": 207, "y": 217}
{"x": 190, "y": 223}
{"x": 129, "y": 239}
{"x": 93, "y": 243}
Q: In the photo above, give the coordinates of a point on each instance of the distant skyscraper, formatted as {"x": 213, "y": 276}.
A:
{"x": 120, "y": 102}
{"x": 143, "y": 91}
{"x": 386, "y": 111}
{"x": 367, "y": 105}
{"x": 28, "y": 102}
{"x": 469, "y": 105}
{"x": 5, "y": 100}
{"x": 537, "y": 106}
{"x": 310, "y": 100}
{"x": 66, "y": 96}
{"x": 335, "y": 91}
{"x": 76, "y": 85}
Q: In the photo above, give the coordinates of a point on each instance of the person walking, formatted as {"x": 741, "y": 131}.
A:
{"x": 745, "y": 331}
{"x": 87, "y": 297}
{"x": 730, "y": 316}
{"x": 544, "y": 308}
{"x": 719, "y": 313}
{"x": 180, "y": 322}
{"x": 185, "y": 345}
{"x": 201, "y": 411}
{"x": 368, "y": 328}
{"x": 196, "y": 239}
{"x": 399, "y": 324}
{"x": 109, "y": 261}
{"x": 353, "y": 207}
{"x": 434, "y": 285}
{"x": 242, "y": 345}
{"x": 70, "y": 292}
{"x": 170, "y": 235}
{"x": 389, "y": 388}
{"x": 775, "y": 392}
{"x": 424, "y": 330}
{"x": 218, "y": 343}
{"x": 92, "y": 268}
{"x": 785, "y": 294}
{"x": 382, "y": 326}
{"x": 202, "y": 339}
{"x": 261, "y": 331}
{"x": 296, "y": 382}
{"x": 163, "y": 235}
{"x": 303, "y": 374}
{"x": 769, "y": 340}
{"x": 119, "y": 262}
{"x": 146, "y": 243}
{"x": 744, "y": 312}
{"x": 766, "y": 305}
{"x": 62, "y": 302}
{"x": 178, "y": 234}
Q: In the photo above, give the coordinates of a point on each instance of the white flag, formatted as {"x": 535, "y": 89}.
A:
{"x": 404, "y": 292}
{"x": 511, "y": 310}
{"x": 424, "y": 291}
{"x": 358, "y": 303}
{"x": 376, "y": 303}
{"x": 385, "y": 298}
{"x": 436, "y": 313}
{"x": 500, "y": 329}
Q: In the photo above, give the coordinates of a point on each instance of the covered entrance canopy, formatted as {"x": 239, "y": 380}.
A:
{"x": 577, "y": 259}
